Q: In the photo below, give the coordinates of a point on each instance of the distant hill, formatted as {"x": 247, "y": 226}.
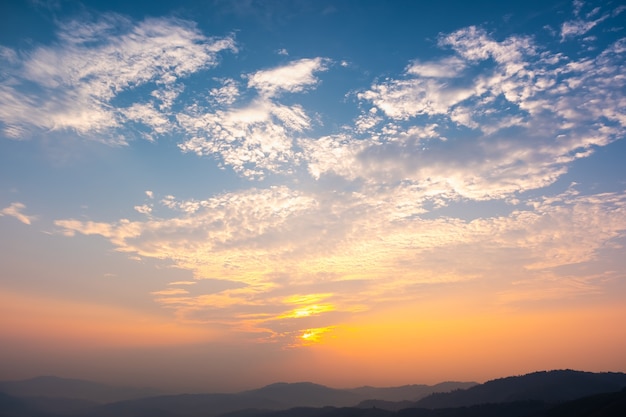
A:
{"x": 408, "y": 392}
{"x": 62, "y": 396}
{"x": 185, "y": 405}
{"x": 14, "y": 407}
{"x": 386, "y": 405}
{"x": 305, "y": 394}
{"x": 316, "y": 412}
{"x": 611, "y": 404}
{"x": 43, "y": 406}
{"x": 548, "y": 386}
{"x": 286, "y": 395}
{"x": 279, "y": 396}
{"x": 540, "y": 394}
{"x": 600, "y": 405}
{"x": 52, "y": 386}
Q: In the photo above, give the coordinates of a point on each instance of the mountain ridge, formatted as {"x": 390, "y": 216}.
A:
{"x": 529, "y": 395}
{"x": 550, "y": 386}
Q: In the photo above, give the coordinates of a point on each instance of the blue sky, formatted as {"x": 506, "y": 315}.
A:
{"x": 270, "y": 175}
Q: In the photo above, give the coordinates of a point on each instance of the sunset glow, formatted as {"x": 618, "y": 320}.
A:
{"x": 217, "y": 195}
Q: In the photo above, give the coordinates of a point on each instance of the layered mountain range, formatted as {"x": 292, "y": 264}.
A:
{"x": 548, "y": 393}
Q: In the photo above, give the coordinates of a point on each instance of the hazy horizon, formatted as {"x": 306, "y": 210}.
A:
{"x": 227, "y": 194}
{"x": 165, "y": 389}
{"x": 199, "y": 389}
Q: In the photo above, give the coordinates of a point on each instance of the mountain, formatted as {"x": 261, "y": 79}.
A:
{"x": 52, "y": 386}
{"x": 540, "y": 394}
{"x": 548, "y": 386}
{"x": 14, "y": 407}
{"x": 516, "y": 409}
{"x": 42, "y": 406}
{"x": 62, "y": 396}
{"x": 408, "y": 392}
{"x": 185, "y": 405}
{"x": 306, "y": 394}
{"x": 599, "y": 405}
{"x": 386, "y": 405}
{"x": 278, "y": 397}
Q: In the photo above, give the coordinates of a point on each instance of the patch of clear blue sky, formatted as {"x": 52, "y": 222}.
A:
{"x": 382, "y": 34}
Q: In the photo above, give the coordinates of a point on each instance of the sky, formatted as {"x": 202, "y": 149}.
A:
{"x": 217, "y": 195}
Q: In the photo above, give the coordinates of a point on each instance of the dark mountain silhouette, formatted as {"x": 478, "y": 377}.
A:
{"x": 279, "y": 396}
{"x": 386, "y": 405}
{"x": 14, "y": 407}
{"x": 515, "y": 409}
{"x": 42, "y": 406}
{"x": 600, "y": 405}
{"x": 540, "y": 394}
{"x": 510, "y": 409}
{"x": 185, "y": 405}
{"x": 548, "y": 386}
{"x": 612, "y": 404}
{"x": 315, "y": 412}
{"x": 52, "y": 386}
{"x": 408, "y": 392}
{"x": 305, "y": 394}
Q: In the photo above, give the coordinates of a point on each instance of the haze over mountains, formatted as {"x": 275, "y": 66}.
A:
{"x": 536, "y": 394}
{"x": 52, "y": 386}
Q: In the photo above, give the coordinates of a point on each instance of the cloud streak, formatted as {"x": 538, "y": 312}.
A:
{"x": 16, "y": 210}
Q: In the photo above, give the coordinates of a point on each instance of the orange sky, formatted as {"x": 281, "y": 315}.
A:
{"x": 423, "y": 343}
{"x": 356, "y": 192}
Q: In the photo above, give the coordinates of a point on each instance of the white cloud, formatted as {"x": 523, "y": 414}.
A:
{"x": 403, "y": 99}
{"x": 143, "y": 209}
{"x": 294, "y": 77}
{"x": 444, "y": 68}
{"x": 148, "y": 115}
{"x": 475, "y": 44}
{"x": 579, "y": 27}
{"x": 337, "y": 154}
{"x": 92, "y": 63}
{"x": 529, "y": 113}
{"x": 226, "y": 94}
{"x": 16, "y": 210}
{"x": 252, "y": 140}
{"x": 367, "y": 121}
{"x": 578, "y": 5}
{"x": 583, "y": 23}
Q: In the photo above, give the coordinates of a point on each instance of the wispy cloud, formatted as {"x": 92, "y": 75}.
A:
{"x": 524, "y": 118}
{"x": 75, "y": 82}
{"x": 16, "y": 210}
{"x": 256, "y": 137}
{"x": 579, "y": 27}
{"x": 252, "y": 140}
{"x": 291, "y": 78}
{"x": 583, "y": 23}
